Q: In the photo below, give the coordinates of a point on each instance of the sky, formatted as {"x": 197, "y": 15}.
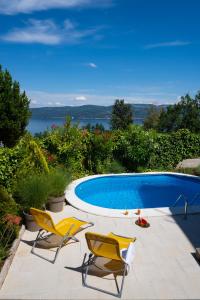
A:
{"x": 77, "y": 52}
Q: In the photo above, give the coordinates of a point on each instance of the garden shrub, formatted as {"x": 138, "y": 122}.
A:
{"x": 114, "y": 167}
{"x": 134, "y": 147}
{"x": 65, "y": 143}
{"x": 9, "y": 222}
{"x": 34, "y": 160}
{"x": 25, "y": 158}
{"x": 98, "y": 152}
{"x": 7, "y": 203}
{"x": 58, "y": 179}
{"x": 9, "y": 164}
{"x": 32, "y": 191}
{"x": 174, "y": 147}
{"x": 138, "y": 149}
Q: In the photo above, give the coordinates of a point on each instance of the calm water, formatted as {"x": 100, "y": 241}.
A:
{"x": 137, "y": 191}
{"x": 39, "y": 125}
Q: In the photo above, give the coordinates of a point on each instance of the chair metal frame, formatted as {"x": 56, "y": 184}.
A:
{"x": 90, "y": 262}
{"x": 65, "y": 238}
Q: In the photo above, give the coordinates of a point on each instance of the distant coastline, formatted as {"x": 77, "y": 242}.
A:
{"x": 44, "y": 117}
{"x": 140, "y": 111}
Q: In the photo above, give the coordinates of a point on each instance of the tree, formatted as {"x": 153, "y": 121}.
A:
{"x": 122, "y": 115}
{"x": 92, "y": 128}
{"x": 14, "y": 110}
{"x": 184, "y": 114}
{"x": 152, "y": 118}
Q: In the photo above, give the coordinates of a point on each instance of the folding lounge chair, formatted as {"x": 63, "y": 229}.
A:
{"x": 66, "y": 229}
{"x": 116, "y": 251}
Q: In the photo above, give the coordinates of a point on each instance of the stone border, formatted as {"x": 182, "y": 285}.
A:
{"x": 75, "y": 201}
{"x": 9, "y": 259}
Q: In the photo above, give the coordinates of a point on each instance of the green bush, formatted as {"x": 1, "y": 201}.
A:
{"x": 7, "y": 203}
{"x": 25, "y": 158}
{"x": 34, "y": 160}
{"x": 9, "y": 164}
{"x": 115, "y": 167}
{"x": 174, "y": 147}
{"x": 138, "y": 149}
{"x": 134, "y": 147}
{"x": 98, "y": 152}
{"x": 66, "y": 144}
{"x": 32, "y": 191}
{"x": 8, "y": 230}
{"x": 58, "y": 179}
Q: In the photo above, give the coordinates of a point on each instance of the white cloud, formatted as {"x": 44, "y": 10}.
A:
{"x": 76, "y": 99}
{"x": 11, "y": 7}
{"x": 33, "y": 102}
{"x": 92, "y": 65}
{"x": 80, "y": 98}
{"x": 48, "y": 32}
{"x": 168, "y": 44}
{"x": 59, "y": 103}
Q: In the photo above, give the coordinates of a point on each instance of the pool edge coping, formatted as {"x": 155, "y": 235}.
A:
{"x": 76, "y": 202}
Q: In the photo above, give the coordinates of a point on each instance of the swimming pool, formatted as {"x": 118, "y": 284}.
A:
{"x": 130, "y": 192}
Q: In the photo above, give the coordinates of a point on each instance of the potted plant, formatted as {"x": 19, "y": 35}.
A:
{"x": 58, "y": 179}
{"x": 32, "y": 191}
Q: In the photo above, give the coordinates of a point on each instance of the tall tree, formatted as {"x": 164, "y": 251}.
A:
{"x": 152, "y": 118}
{"x": 14, "y": 110}
{"x": 184, "y": 114}
{"x": 122, "y": 115}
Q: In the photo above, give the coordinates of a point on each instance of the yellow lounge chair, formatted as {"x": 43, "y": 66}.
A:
{"x": 116, "y": 251}
{"x": 66, "y": 229}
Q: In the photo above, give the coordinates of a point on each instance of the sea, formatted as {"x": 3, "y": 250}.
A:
{"x": 40, "y": 125}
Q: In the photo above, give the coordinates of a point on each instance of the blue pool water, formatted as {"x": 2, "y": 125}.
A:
{"x": 137, "y": 191}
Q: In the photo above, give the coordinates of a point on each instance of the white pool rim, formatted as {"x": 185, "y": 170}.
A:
{"x": 76, "y": 202}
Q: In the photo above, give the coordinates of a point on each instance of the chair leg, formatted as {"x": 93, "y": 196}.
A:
{"x": 41, "y": 256}
{"x": 85, "y": 269}
{"x": 35, "y": 242}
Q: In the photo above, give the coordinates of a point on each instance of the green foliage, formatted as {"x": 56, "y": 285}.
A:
{"x": 25, "y": 158}
{"x": 9, "y": 164}
{"x": 34, "y": 160}
{"x": 134, "y": 147}
{"x": 152, "y": 118}
{"x": 122, "y": 115}
{"x": 183, "y": 115}
{"x": 58, "y": 179}
{"x": 8, "y": 230}
{"x": 138, "y": 149}
{"x": 174, "y": 147}
{"x": 32, "y": 191}
{"x": 93, "y": 128}
{"x": 14, "y": 110}
{"x": 114, "y": 167}
{"x": 98, "y": 151}
{"x": 65, "y": 143}
{"x": 7, "y": 203}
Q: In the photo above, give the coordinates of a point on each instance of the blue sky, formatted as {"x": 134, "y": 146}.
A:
{"x": 76, "y": 52}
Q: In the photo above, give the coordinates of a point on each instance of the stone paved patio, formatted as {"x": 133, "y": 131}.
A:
{"x": 164, "y": 267}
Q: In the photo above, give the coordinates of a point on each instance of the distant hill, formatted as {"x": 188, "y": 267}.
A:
{"x": 140, "y": 111}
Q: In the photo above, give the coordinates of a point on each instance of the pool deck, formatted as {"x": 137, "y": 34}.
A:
{"x": 164, "y": 266}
